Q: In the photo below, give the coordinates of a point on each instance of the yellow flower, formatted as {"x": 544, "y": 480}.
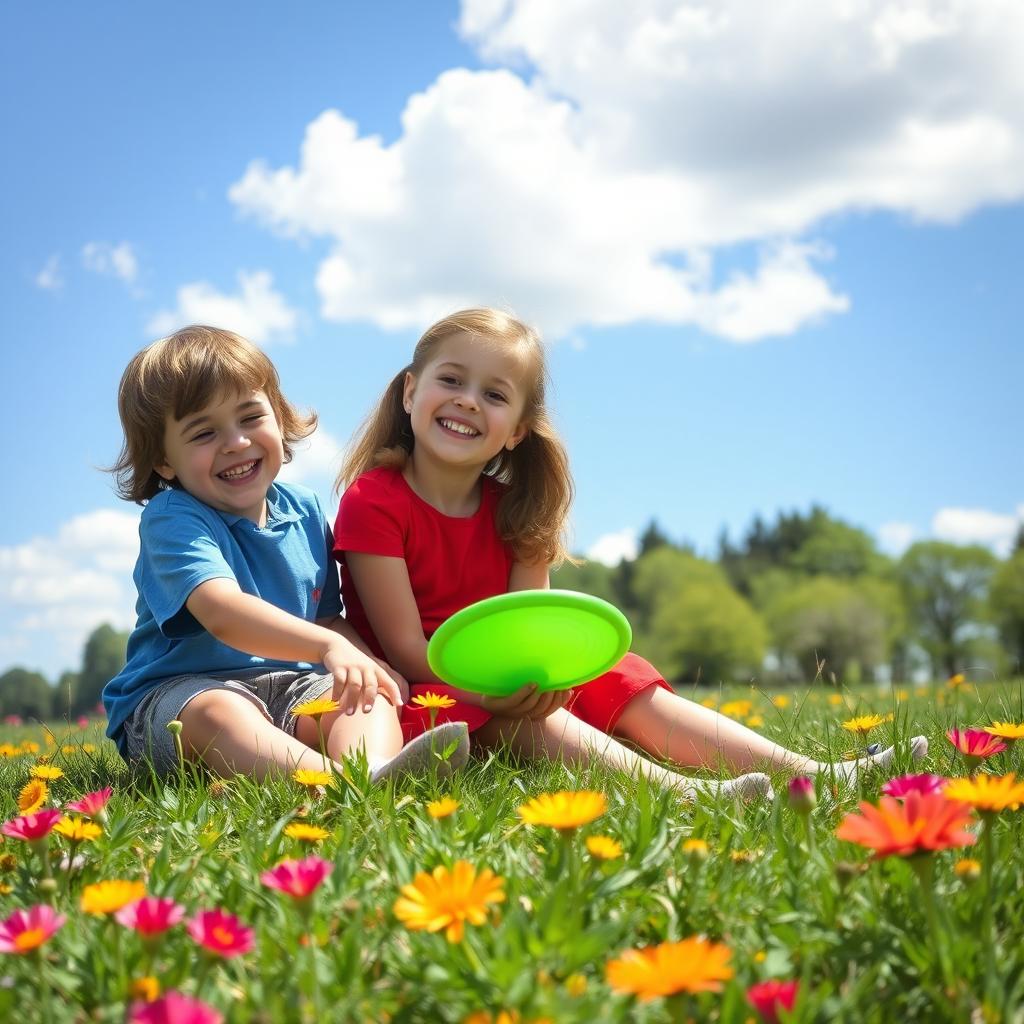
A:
{"x": 305, "y": 833}
{"x": 1005, "y": 730}
{"x": 108, "y": 897}
{"x": 69, "y": 748}
{"x": 6, "y": 888}
{"x": 695, "y": 848}
{"x": 780, "y": 700}
{"x": 835, "y": 699}
{"x": 448, "y": 899}
{"x": 433, "y": 700}
{"x": 88, "y": 748}
{"x": 604, "y": 847}
{"x": 709, "y": 702}
{"x": 737, "y": 708}
{"x": 47, "y": 772}
{"x": 311, "y": 777}
{"x": 564, "y": 810}
{"x": 755, "y": 721}
{"x": 315, "y": 708}
{"x": 78, "y": 830}
{"x": 744, "y": 856}
{"x": 863, "y": 724}
{"x": 902, "y": 695}
{"x": 987, "y": 792}
{"x": 146, "y": 990}
{"x": 576, "y": 985}
{"x": 8, "y": 862}
{"x": 30, "y": 746}
{"x": 443, "y": 807}
{"x": 956, "y": 680}
{"x": 9, "y": 750}
{"x": 760, "y": 956}
{"x": 968, "y": 868}
{"x": 32, "y": 796}
{"x": 693, "y": 965}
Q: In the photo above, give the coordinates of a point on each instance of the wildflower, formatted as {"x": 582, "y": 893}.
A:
{"x": 8, "y": 750}
{"x": 88, "y": 748}
{"x": 564, "y": 810}
{"x": 92, "y": 804}
{"x": 46, "y": 772}
{"x": 835, "y": 699}
{"x": 988, "y": 793}
{"x": 298, "y": 878}
{"x": 780, "y": 700}
{"x": 447, "y": 899}
{"x": 755, "y": 721}
{"x": 975, "y": 744}
{"x": 110, "y": 896}
{"x": 433, "y": 700}
{"x": 745, "y": 856}
{"x": 709, "y": 702}
{"x": 174, "y": 1008}
{"x": 305, "y": 833}
{"x": 30, "y": 747}
{"x": 693, "y": 965}
{"x": 77, "y": 830}
{"x": 576, "y": 985}
{"x": 145, "y": 989}
{"x": 921, "y": 823}
{"x": 958, "y": 679}
{"x": 1007, "y": 731}
{"x": 443, "y": 807}
{"x": 220, "y": 933}
{"x": 32, "y": 796}
{"x": 695, "y": 849}
{"x": 31, "y": 827}
{"x": 26, "y": 930}
{"x": 604, "y": 847}
{"x": 315, "y": 708}
{"x": 150, "y": 916}
{"x": 737, "y": 708}
{"x": 311, "y": 777}
{"x": 967, "y": 868}
{"x": 905, "y": 784}
{"x": 802, "y": 797}
{"x": 768, "y": 997}
{"x": 8, "y": 862}
{"x": 863, "y": 724}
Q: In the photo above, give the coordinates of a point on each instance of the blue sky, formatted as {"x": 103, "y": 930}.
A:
{"x": 776, "y": 252}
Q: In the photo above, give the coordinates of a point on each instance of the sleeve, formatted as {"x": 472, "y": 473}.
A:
{"x": 370, "y": 520}
{"x": 179, "y": 551}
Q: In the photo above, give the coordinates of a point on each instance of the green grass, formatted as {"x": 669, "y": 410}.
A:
{"x": 793, "y": 903}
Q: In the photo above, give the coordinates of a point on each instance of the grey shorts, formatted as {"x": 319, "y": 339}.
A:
{"x": 274, "y": 693}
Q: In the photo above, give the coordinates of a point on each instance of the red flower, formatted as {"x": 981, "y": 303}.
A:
{"x": 923, "y": 784}
{"x": 919, "y": 824}
{"x": 298, "y": 878}
{"x": 32, "y": 827}
{"x": 975, "y": 743}
{"x": 768, "y": 997}
{"x": 174, "y": 1008}
{"x": 150, "y": 916}
{"x": 92, "y": 804}
{"x": 222, "y": 934}
{"x": 26, "y": 930}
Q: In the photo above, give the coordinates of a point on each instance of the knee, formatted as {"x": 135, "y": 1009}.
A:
{"x": 211, "y": 713}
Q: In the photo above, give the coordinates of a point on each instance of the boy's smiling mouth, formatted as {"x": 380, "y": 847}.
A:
{"x": 243, "y": 471}
{"x": 455, "y": 427}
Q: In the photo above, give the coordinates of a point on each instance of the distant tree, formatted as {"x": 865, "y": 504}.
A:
{"x": 589, "y": 577}
{"x": 664, "y": 572}
{"x": 102, "y": 659}
{"x": 946, "y": 588}
{"x": 1018, "y": 541}
{"x": 652, "y": 538}
{"x": 1007, "y": 602}
{"x": 26, "y": 694}
{"x": 834, "y": 548}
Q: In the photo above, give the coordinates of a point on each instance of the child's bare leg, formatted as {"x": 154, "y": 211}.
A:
{"x": 671, "y": 727}
{"x": 377, "y": 731}
{"x": 565, "y": 736}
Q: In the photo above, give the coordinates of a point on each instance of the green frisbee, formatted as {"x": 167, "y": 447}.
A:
{"x": 554, "y": 638}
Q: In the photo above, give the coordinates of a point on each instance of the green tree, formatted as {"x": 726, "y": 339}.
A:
{"x": 102, "y": 659}
{"x": 1007, "y": 602}
{"x": 946, "y": 588}
{"x": 26, "y": 694}
{"x": 588, "y": 577}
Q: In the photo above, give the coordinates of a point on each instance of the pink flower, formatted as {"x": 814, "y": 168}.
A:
{"x": 174, "y": 1008}
{"x": 26, "y": 930}
{"x": 83, "y": 722}
{"x": 12, "y": 720}
{"x": 32, "y": 827}
{"x": 92, "y": 804}
{"x": 298, "y": 878}
{"x": 220, "y": 933}
{"x": 975, "y": 744}
{"x": 802, "y": 797}
{"x": 768, "y": 997}
{"x": 150, "y": 916}
{"x": 924, "y": 784}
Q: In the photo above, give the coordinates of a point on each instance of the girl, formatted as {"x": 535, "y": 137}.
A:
{"x": 459, "y": 489}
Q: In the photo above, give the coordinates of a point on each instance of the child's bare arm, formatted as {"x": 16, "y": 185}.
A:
{"x": 340, "y": 625}
{"x": 257, "y": 627}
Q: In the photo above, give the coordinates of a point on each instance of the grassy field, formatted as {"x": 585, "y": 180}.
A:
{"x": 932, "y": 936}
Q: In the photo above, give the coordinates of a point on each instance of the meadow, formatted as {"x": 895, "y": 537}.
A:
{"x": 477, "y": 898}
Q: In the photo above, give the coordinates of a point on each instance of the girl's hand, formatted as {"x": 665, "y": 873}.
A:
{"x": 527, "y": 702}
{"x": 358, "y": 678}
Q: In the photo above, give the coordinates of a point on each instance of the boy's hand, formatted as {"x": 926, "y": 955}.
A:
{"x": 527, "y": 702}
{"x": 358, "y": 678}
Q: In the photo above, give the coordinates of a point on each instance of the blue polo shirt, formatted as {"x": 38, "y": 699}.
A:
{"x": 287, "y": 563}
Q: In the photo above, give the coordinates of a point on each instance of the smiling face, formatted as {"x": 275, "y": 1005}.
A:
{"x": 467, "y": 403}
{"x": 226, "y": 454}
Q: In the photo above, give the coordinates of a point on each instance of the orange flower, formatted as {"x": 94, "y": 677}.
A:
{"x": 693, "y": 965}
{"x": 604, "y": 847}
{"x": 443, "y": 807}
{"x": 919, "y": 824}
{"x": 447, "y": 899}
{"x": 987, "y": 793}
{"x": 32, "y": 796}
{"x": 564, "y": 810}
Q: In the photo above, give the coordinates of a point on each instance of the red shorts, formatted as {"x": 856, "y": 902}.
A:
{"x": 598, "y": 703}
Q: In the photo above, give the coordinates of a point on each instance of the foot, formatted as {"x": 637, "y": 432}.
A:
{"x": 424, "y": 752}
{"x": 752, "y": 786}
{"x": 882, "y": 760}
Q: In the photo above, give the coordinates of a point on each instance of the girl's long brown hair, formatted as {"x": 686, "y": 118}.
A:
{"x": 533, "y": 511}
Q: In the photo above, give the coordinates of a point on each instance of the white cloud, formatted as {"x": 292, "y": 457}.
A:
{"x": 256, "y": 311}
{"x": 895, "y": 538}
{"x": 612, "y": 548}
{"x": 111, "y": 260}
{"x": 648, "y": 136}
{"x": 55, "y": 590}
{"x": 50, "y": 278}
{"x": 978, "y": 526}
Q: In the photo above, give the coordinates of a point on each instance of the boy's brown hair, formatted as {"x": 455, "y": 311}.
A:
{"x": 181, "y": 374}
